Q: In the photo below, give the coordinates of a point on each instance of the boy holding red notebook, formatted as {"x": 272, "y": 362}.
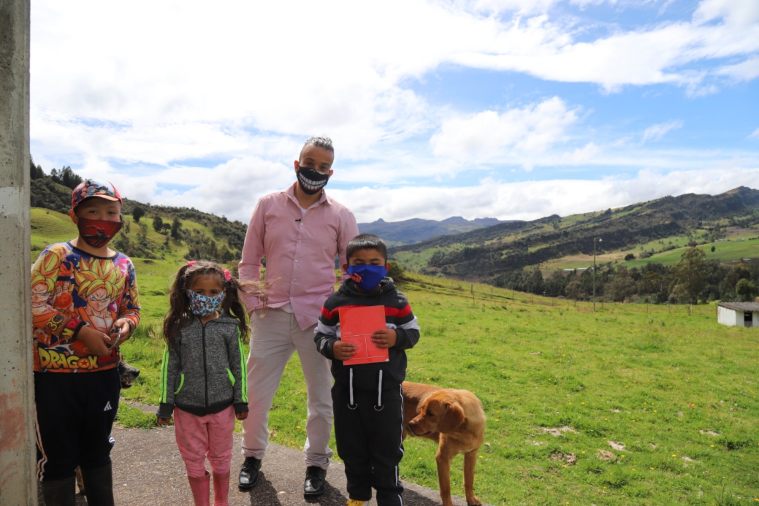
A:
{"x": 365, "y": 328}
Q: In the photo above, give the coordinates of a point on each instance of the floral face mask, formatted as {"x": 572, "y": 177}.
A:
{"x": 203, "y": 305}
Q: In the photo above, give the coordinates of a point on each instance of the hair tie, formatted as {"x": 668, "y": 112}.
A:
{"x": 190, "y": 263}
{"x": 227, "y": 275}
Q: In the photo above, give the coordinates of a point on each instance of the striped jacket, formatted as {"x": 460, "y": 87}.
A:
{"x": 205, "y": 372}
{"x": 398, "y": 316}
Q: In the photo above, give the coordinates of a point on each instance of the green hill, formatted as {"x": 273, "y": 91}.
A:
{"x": 160, "y": 232}
{"x": 643, "y": 230}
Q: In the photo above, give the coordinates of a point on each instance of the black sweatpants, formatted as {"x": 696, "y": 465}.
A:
{"x": 369, "y": 440}
{"x": 75, "y": 413}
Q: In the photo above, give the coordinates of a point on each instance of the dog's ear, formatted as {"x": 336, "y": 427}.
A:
{"x": 452, "y": 418}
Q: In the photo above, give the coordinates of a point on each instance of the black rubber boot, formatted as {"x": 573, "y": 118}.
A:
{"x": 58, "y": 492}
{"x": 98, "y": 485}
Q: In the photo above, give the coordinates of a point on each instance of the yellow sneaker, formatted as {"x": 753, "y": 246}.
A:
{"x": 355, "y": 502}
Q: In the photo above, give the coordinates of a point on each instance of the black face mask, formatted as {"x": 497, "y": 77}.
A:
{"x": 311, "y": 181}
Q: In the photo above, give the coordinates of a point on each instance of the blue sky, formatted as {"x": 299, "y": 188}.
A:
{"x": 513, "y": 109}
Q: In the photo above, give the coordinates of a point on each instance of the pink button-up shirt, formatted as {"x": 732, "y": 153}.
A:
{"x": 300, "y": 247}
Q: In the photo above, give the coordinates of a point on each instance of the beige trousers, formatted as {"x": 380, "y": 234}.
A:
{"x": 275, "y": 336}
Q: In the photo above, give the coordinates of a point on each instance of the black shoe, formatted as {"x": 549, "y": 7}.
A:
{"x": 313, "y": 486}
{"x": 249, "y": 474}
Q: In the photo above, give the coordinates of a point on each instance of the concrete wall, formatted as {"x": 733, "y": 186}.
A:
{"x": 729, "y": 317}
{"x": 17, "y": 450}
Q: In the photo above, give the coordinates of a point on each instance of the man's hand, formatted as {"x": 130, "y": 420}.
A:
{"x": 343, "y": 351}
{"x": 384, "y": 338}
{"x": 96, "y": 341}
{"x": 163, "y": 421}
{"x": 242, "y": 415}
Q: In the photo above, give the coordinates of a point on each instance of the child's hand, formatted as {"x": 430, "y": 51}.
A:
{"x": 343, "y": 351}
{"x": 122, "y": 330}
{"x": 242, "y": 415}
{"x": 163, "y": 421}
{"x": 96, "y": 341}
{"x": 384, "y": 338}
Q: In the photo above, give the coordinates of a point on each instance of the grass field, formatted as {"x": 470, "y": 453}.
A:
{"x": 632, "y": 404}
{"x": 724, "y": 251}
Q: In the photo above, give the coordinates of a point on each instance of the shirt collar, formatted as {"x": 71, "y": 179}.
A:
{"x": 323, "y": 199}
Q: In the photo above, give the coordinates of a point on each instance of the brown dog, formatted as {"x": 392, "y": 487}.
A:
{"x": 455, "y": 419}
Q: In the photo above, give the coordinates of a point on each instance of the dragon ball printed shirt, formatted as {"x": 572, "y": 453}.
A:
{"x": 71, "y": 289}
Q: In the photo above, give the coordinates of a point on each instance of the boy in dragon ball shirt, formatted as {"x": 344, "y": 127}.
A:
{"x": 84, "y": 304}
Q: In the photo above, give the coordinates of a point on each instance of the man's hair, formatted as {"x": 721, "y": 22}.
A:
{"x": 365, "y": 241}
{"x": 319, "y": 142}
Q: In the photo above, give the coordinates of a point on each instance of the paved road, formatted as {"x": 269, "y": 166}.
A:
{"x": 147, "y": 469}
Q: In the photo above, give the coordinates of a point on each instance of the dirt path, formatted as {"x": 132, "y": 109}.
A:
{"x": 147, "y": 469}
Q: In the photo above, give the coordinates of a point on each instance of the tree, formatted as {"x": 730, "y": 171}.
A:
{"x": 35, "y": 171}
{"x": 745, "y": 289}
{"x": 574, "y": 289}
{"x": 66, "y": 177}
{"x": 138, "y": 213}
{"x": 690, "y": 275}
{"x": 621, "y": 285}
{"x": 176, "y": 228}
{"x": 158, "y": 223}
{"x": 534, "y": 281}
{"x": 69, "y": 178}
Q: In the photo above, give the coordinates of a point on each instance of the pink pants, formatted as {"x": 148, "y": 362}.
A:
{"x": 198, "y": 436}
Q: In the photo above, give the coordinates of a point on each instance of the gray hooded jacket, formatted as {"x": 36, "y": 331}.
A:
{"x": 205, "y": 372}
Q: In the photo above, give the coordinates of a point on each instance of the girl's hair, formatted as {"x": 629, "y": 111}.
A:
{"x": 179, "y": 313}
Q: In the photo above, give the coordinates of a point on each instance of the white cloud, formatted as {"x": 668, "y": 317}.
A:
{"x": 735, "y": 12}
{"x": 518, "y": 6}
{"x": 158, "y": 94}
{"x": 658, "y": 131}
{"x": 755, "y": 134}
{"x": 745, "y": 70}
{"x": 535, "y": 199}
{"x": 490, "y": 136}
{"x": 584, "y": 154}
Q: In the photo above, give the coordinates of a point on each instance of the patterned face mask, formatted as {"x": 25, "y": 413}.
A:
{"x": 97, "y": 233}
{"x": 203, "y": 305}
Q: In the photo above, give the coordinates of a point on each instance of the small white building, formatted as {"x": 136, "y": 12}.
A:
{"x": 738, "y": 314}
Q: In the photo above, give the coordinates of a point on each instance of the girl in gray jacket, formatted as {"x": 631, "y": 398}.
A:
{"x": 203, "y": 376}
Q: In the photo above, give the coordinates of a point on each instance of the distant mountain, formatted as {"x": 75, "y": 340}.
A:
{"x": 487, "y": 253}
{"x": 417, "y": 230}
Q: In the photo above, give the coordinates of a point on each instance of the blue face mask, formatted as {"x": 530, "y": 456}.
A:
{"x": 367, "y": 276}
{"x": 203, "y": 305}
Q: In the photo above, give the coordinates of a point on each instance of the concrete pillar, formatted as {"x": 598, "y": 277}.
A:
{"x": 17, "y": 450}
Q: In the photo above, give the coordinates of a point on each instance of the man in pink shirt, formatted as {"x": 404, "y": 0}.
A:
{"x": 298, "y": 234}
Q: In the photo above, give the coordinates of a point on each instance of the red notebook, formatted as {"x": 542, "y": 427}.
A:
{"x": 357, "y": 324}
